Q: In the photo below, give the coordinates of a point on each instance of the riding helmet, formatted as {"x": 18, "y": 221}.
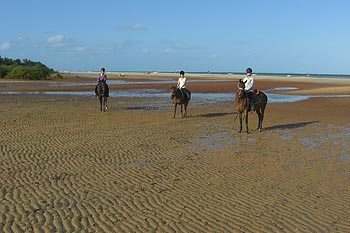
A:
{"x": 249, "y": 70}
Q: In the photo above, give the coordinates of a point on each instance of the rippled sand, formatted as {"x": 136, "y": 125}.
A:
{"x": 67, "y": 167}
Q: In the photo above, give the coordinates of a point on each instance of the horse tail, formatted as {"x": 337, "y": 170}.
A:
{"x": 264, "y": 99}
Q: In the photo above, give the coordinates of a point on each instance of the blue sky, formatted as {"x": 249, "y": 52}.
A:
{"x": 223, "y": 35}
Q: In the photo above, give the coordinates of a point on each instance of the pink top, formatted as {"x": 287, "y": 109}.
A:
{"x": 102, "y": 77}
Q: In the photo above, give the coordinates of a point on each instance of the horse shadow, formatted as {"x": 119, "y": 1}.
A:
{"x": 215, "y": 114}
{"x": 291, "y": 126}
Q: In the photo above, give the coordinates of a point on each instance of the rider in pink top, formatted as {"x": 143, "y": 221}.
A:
{"x": 102, "y": 77}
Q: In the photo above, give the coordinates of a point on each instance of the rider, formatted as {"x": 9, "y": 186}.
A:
{"x": 102, "y": 77}
{"x": 181, "y": 85}
{"x": 249, "y": 82}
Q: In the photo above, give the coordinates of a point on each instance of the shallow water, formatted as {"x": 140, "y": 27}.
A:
{"x": 208, "y": 98}
{"x": 93, "y": 83}
{"x": 162, "y": 96}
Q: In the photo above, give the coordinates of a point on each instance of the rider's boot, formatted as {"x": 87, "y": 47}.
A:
{"x": 252, "y": 107}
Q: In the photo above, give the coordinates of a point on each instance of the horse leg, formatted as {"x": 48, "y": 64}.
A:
{"x": 259, "y": 119}
{"x": 240, "y": 122}
{"x": 100, "y": 97}
{"x": 175, "y": 110}
{"x": 106, "y": 103}
{"x": 262, "y": 110}
{"x": 182, "y": 113}
{"x": 186, "y": 109}
{"x": 246, "y": 120}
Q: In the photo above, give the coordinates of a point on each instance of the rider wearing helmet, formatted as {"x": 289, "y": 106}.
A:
{"x": 249, "y": 83}
{"x": 181, "y": 85}
{"x": 102, "y": 77}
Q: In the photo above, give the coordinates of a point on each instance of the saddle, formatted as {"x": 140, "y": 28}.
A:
{"x": 254, "y": 99}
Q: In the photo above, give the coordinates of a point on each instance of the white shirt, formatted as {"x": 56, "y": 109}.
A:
{"x": 249, "y": 84}
{"x": 181, "y": 82}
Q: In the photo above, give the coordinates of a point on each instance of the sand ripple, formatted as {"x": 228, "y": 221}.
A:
{"x": 66, "y": 167}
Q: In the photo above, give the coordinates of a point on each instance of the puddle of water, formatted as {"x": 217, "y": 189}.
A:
{"x": 345, "y": 158}
{"x": 284, "y": 89}
{"x": 93, "y": 83}
{"x": 287, "y": 136}
{"x": 215, "y": 141}
{"x": 197, "y": 98}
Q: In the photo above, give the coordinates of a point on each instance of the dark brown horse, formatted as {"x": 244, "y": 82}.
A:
{"x": 179, "y": 98}
{"x": 243, "y": 105}
{"x": 102, "y": 93}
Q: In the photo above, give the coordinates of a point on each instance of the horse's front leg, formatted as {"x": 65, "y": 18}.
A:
{"x": 240, "y": 122}
{"x": 182, "y": 113}
{"x": 106, "y": 103}
{"x": 175, "y": 110}
{"x": 186, "y": 109}
{"x": 100, "y": 97}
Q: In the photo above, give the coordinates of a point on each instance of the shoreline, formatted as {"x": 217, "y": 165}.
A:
{"x": 207, "y": 84}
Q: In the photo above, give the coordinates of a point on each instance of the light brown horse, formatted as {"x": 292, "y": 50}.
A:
{"x": 179, "y": 99}
{"x": 243, "y": 105}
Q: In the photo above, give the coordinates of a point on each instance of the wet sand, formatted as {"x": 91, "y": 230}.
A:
{"x": 67, "y": 167}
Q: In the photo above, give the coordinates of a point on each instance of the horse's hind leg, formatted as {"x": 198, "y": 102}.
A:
{"x": 246, "y": 121}
{"x": 186, "y": 109}
{"x": 262, "y": 116}
{"x": 175, "y": 110}
{"x": 182, "y": 113}
{"x": 258, "y": 112}
{"x": 106, "y": 103}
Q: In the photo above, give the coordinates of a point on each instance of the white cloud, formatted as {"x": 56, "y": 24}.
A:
{"x": 5, "y": 46}
{"x": 19, "y": 39}
{"x": 146, "y": 51}
{"x": 56, "y": 41}
{"x": 79, "y": 49}
{"x": 168, "y": 50}
{"x": 131, "y": 27}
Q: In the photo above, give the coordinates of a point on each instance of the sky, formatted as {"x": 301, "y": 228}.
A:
{"x": 285, "y": 36}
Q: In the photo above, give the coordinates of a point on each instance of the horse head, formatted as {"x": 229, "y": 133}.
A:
{"x": 241, "y": 88}
{"x": 173, "y": 90}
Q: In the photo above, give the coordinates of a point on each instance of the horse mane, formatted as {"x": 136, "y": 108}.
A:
{"x": 176, "y": 92}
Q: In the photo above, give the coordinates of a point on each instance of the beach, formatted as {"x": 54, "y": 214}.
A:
{"x": 67, "y": 167}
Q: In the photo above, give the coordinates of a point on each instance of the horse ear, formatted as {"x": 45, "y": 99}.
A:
{"x": 240, "y": 80}
{"x": 245, "y": 81}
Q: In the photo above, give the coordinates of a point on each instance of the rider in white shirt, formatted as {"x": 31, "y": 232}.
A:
{"x": 249, "y": 80}
{"x": 181, "y": 84}
{"x": 249, "y": 83}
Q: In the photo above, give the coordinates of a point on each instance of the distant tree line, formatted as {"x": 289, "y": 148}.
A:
{"x": 23, "y": 69}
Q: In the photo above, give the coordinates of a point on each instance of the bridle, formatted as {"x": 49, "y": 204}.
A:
{"x": 240, "y": 91}
{"x": 172, "y": 92}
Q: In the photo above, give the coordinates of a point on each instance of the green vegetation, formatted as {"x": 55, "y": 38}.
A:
{"x": 25, "y": 69}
